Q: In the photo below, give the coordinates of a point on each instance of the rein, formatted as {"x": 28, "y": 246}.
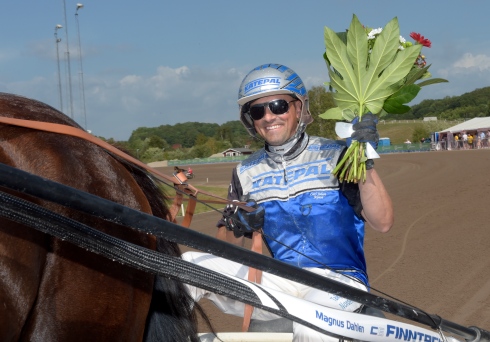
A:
{"x": 179, "y": 180}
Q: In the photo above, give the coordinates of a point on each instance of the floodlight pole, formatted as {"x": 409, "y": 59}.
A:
{"x": 80, "y": 73}
{"x": 58, "y": 40}
{"x": 67, "y": 53}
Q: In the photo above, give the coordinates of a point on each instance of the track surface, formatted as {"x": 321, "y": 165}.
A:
{"x": 437, "y": 255}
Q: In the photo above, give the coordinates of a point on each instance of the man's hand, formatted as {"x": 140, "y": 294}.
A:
{"x": 365, "y": 131}
{"x": 242, "y": 222}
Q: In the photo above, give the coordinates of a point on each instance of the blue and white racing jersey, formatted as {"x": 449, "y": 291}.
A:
{"x": 308, "y": 221}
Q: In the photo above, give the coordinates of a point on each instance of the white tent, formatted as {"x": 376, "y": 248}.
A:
{"x": 445, "y": 139}
{"x": 475, "y": 124}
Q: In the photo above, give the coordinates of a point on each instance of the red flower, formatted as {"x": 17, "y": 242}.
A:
{"x": 420, "y": 39}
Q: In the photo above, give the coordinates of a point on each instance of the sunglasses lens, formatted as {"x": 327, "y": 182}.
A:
{"x": 277, "y": 107}
{"x": 257, "y": 112}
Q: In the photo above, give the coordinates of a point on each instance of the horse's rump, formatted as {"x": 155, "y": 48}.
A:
{"x": 53, "y": 290}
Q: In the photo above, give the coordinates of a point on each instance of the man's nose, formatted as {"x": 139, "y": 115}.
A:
{"x": 268, "y": 115}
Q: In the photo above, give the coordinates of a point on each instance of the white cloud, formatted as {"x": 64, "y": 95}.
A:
{"x": 168, "y": 96}
{"x": 469, "y": 72}
{"x": 130, "y": 80}
{"x": 168, "y": 80}
{"x": 468, "y": 61}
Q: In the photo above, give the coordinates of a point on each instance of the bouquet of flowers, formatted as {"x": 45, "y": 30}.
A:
{"x": 371, "y": 70}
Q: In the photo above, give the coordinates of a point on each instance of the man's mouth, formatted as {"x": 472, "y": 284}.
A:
{"x": 273, "y": 127}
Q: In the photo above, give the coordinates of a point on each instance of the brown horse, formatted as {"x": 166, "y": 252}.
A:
{"x": 51, "y": 290}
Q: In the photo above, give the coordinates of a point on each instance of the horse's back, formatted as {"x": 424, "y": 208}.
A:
{"x": 52, "y": 290}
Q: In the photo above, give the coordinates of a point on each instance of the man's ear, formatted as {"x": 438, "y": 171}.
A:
{"x": 298, "y": 106}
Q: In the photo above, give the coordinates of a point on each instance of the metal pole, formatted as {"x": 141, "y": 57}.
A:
{"x": 57, "y": 40}
{"x": 80, "y": 74}
{"x": 67, "y": 52}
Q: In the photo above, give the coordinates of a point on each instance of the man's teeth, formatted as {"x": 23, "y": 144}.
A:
{"x": 273, "y": 127}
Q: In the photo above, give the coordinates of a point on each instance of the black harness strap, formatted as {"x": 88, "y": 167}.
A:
{"x": 64, "y": 195}
{"x": 92, "y": 240}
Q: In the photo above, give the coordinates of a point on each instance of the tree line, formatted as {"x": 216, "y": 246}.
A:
{"x": 200, "y": 140}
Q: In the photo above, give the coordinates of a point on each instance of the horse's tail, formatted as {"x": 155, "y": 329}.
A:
{"x": 175, "y": 320}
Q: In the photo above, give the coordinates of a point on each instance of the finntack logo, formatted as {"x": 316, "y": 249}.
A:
{"x": 261, "y": 82}
{"x": 396, "y": 333}
{"x": 404, "y": 334}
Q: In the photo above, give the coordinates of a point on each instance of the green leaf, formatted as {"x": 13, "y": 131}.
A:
{"x": 399, "y": 68}
{"x": 405, "y": 94}
{"x": 348, "y": 115}
{"x": 415, "y": 74}
{"x": 357, "y": 49}
{"x": 343, "y": 37}
{"x": 395, "y": 103}
{"x": 338, "y": 62}
{"x": 395, "y": 108}
{"x": 332, "y": 114}
{"x": 432, "y": 81}
{"x": 382, "y": 114}
{"x": 384, "y": 51}
{"x": 380, "y": 89}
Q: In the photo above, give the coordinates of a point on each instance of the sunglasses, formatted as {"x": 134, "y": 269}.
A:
{"x": 276, "y": 107}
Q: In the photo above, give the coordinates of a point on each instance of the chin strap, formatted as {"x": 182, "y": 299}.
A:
{"x": 284, "y": 148}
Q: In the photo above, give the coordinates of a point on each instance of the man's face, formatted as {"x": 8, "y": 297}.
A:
{"x": 277, "y": 129}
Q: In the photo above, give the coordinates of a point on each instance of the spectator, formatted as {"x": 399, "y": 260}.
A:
{"x": 444, "y": 143}
{"x": 482, "y": 139}
{"x": 470, "y": 141}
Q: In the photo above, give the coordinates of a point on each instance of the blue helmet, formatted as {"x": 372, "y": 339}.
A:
{"x": 272, "y": 79}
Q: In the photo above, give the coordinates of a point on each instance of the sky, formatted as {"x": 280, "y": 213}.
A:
{"x": 153, "y": 62}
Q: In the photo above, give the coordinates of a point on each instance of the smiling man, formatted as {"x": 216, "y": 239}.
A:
{"x": 308, "y": 219}
{"x": 276, "y": 129}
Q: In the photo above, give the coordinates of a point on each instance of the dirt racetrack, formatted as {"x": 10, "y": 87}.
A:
{"x": 437, "y": 255}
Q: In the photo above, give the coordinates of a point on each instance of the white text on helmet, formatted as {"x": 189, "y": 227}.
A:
{"x": 260, "y": 82}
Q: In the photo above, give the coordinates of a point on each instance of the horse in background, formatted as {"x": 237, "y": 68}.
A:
{"x": 51, "y": 290}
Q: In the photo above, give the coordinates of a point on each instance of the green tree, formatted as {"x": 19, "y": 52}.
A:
{"x": 152, "y": 154}
{"x": 201, "y": 139}
{"x": 419, "y": 132}
{"x": 156, "y": 141}
{"x": 212, "y": 145}
{"x": 320, "y": 100}
{"x": 200, "y": 151}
